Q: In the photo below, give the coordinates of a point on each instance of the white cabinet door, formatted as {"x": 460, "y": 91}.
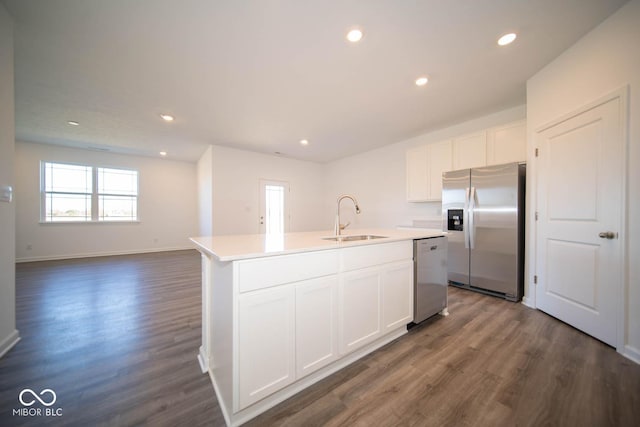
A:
{"x": 316, "y": 324}
{"x": 417, "y": 175}
{"x": 397, "y": 295}
{"x": 359, "y": 308}
{"x": 266, "y": 338}
{"x": 424, "y": 171}
{"x": 470, "y": 151}
{"x": 439, "y": 157}
{"x": 508, "y": 143}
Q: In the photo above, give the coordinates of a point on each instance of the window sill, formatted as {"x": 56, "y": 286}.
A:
{"x": 87, "y": 222}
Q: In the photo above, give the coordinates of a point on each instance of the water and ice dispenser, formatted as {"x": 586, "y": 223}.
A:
{"x": 454, "y": 220}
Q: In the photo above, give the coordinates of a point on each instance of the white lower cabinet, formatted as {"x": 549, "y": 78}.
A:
{"x": 316, "y": 324}
{"x": 396, "y": 282}
{"x": 286, "y": 332}
{"x": 266, "y": 342}
{"x": 374, "y": 301}
{"x": 359, "y": 308}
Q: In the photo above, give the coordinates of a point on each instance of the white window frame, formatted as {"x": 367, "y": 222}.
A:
{"x": 95, "y": 208}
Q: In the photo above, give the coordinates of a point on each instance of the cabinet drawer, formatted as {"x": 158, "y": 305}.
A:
{"x": 372, "y": 255}
{"x": 265, "y": 272}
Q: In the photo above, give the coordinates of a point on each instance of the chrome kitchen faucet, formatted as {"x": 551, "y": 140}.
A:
{"x": 337, "y": 226}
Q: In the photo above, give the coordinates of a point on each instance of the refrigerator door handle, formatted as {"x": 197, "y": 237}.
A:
{"x": 472, "y": 214}
{"x": 465, "y": 218}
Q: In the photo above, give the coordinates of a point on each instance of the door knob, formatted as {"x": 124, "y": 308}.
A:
{"x": 607, "y": 235}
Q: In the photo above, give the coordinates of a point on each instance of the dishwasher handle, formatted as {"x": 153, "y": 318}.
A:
{"x": 430, "y": 244}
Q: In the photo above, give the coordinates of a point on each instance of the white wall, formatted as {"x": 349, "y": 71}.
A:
{"x": 236, "y": 176}
{"x": 8, "y": 332}
{"x": 205, "y": 193}
{"x": 603, "y": 61}
{"x": 377, "y": 178}
{"x": 167, "y": 207}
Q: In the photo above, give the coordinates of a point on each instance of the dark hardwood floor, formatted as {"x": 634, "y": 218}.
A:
{"x": 116, "y": 338}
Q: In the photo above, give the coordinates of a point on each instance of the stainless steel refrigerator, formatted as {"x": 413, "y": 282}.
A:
{"x": 483, "y": 213}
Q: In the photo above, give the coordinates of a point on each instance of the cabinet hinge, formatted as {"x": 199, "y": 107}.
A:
{"x": 536, "y": 215}
{"x": 536, "y": 152}
{"x": 535, "y": 279}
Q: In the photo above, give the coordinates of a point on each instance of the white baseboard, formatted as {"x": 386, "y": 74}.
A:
{"x": 223, "y": 405}
{"x": 631, "y": 353}
{"x": 526, "y": 301}
{"x": 99, "y": 254}
{"x": 8, "y": 343}
{"x": 203, "y": 361}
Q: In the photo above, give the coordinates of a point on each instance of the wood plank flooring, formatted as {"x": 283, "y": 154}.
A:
{"x": 117, "y": 338}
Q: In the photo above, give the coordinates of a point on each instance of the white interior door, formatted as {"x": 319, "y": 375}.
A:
{"x": 580, "y": 200}
{"x": 274, "y": 207}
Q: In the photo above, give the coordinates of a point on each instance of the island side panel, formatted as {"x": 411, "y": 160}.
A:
{"x": 221, "y": 320}
{"x": 205, "y": 349}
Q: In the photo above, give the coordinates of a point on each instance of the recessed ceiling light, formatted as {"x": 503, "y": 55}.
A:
{"x": 506, "y": 39}
{"x": 72, "y": 123}
{"x": 163, "y": 153}
{"x": 354, "y": 35}
{"x": 421, "y": 81}
{"x": 304, "y": 142}
{"x": 166, "y": 117}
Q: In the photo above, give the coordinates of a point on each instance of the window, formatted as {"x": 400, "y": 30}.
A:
{"x": 68, "y": 191}
{"x": 117, "y": 195}
{"x": 86, "y": 193}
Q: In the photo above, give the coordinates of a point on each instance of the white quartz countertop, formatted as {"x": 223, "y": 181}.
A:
{"x": 247, "y": 246}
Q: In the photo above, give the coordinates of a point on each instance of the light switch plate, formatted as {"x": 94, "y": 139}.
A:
{"x": 6, "y": 193}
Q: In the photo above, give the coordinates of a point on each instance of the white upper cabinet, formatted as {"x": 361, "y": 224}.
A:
{"x": 417, "y": 175}
{"x": 424, "y": 171}
{"x": 439, "y": 160}
{"x": 470, "y": 151}
{"x": 507, "y": 143}
{"x": 425, "y": 165}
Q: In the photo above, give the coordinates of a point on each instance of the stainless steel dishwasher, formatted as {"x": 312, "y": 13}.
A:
{"x": 430, "y": 278}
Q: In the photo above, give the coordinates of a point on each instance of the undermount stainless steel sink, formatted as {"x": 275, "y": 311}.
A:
{"x": 353, "y": 237}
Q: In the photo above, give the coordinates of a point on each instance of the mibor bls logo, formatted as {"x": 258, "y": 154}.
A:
{"x": 28, "y": 399}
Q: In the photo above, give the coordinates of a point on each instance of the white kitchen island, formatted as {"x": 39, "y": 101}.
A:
{"x": 281, "y": 312}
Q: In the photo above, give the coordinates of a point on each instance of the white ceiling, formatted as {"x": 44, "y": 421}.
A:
{"x": 263, "y": 74}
